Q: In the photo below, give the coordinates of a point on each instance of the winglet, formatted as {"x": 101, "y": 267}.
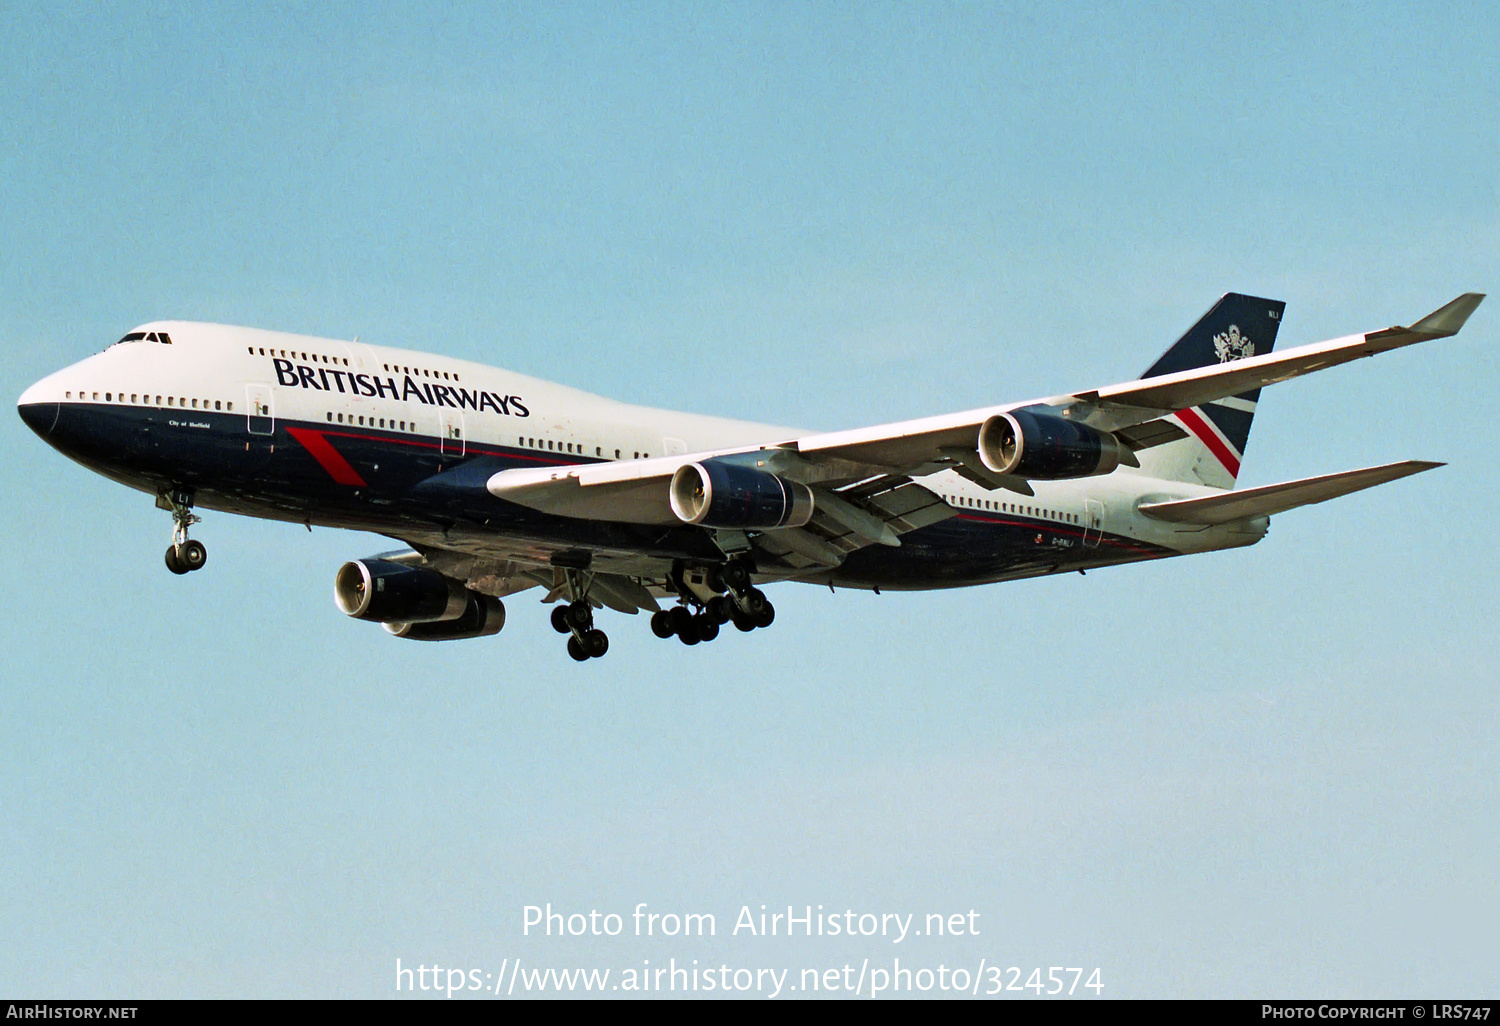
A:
{"x": 1448, "y": 319}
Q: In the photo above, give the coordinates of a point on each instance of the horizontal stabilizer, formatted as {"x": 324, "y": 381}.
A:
{"x": 1228, "y": 507}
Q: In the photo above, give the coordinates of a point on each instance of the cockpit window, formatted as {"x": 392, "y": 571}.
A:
{"x": 142, "y": 336}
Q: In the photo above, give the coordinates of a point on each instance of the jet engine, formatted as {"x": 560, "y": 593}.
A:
{"x": 718, "y": 494}
{"x": 484, "y": 616}
{"x": 1046, "y": 448}
{"x": 388, "y": 592}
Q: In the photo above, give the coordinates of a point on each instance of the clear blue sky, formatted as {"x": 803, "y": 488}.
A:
{"x": 1265, "y": 772}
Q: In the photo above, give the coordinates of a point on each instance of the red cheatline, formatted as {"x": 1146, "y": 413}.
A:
{"x": 1194, "y": 423}
{"x": 327, "y": 456}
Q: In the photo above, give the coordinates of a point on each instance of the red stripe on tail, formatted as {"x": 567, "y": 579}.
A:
{"x": 1193, "y": 421}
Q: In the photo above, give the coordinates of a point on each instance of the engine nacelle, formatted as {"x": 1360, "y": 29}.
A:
{"x": 378, "y": 589}
{"x": 718, "y": 494}
{"x": 484, "y": 616}
{"x": 1045, "y": 448}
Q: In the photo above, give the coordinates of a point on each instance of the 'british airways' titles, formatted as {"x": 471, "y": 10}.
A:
{"x": 326, "y": 379}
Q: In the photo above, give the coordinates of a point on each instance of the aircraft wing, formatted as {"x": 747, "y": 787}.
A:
{"x": 915, "y": 443}
{"x": 862, "y": 479}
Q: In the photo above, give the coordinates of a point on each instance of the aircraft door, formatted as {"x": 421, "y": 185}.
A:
{"x": 451, "y": 427}
{"x": 260, "y": 416}
{"x": 1093, "y": 523}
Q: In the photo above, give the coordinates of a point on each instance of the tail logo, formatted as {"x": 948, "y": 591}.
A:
{"x": 1231, "y": 345}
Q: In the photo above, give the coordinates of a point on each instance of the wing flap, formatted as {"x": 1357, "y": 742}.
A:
{"x": 1228, "y": 507}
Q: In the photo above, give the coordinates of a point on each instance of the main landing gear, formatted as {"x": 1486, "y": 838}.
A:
{"x": 577, "y": 618}
{"x": 731, "y": 598}
{"x": 183, "y": 555}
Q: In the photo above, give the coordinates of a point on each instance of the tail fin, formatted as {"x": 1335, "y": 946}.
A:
{"x": 1237, "y": 326}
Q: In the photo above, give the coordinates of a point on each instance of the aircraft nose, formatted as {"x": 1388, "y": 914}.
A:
{"x": 40, "y": 417}
{"x": 38, "y": 410}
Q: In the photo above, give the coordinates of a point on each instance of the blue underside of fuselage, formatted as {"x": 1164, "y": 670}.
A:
{"x": 268, "y": 472}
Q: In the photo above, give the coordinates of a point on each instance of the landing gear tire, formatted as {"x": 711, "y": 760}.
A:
{"x": 708, "y": 627}
{"x": 661, "y": 624}
{"x": 173, "y": 563}
{"x": 719, "y": 608}
{"x": 741, "y": 620}
{"x": 580, "y": 616}
{"x": 753, "y": 603}
{"x": 560, "y": 619}
{"x": 595, "y": 643}
{"x": 193, "y": 555}
{"x": 576, "y": 650}
{"x": 765, "y": 617}
{"x": 736, "y": 576}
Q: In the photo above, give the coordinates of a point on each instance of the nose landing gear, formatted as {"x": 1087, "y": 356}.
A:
{"x": 184, "y": 555}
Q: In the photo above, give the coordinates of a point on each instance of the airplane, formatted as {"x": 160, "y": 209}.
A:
{"x": 497, "y": 483}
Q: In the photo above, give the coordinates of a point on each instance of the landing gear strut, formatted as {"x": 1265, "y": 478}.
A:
{"x": 577, "y": 619}
{"x": 183, "y": 555}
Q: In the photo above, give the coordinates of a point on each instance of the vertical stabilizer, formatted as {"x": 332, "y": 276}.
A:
{"x": 1236, "y": 327}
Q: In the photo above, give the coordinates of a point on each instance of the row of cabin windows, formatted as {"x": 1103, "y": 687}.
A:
{"x": 576, "y": 450}
{"x": 1014, "y": 507}
{"x": 343, "y": 361}
{"x": 362, "y": 421}
{"x": 359, "y": 420}
{"x": 339, "y": 418}
{"x": 171, "y": 400}
{"x": 292, "y": 355}
{"x": 414, "y": 371}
